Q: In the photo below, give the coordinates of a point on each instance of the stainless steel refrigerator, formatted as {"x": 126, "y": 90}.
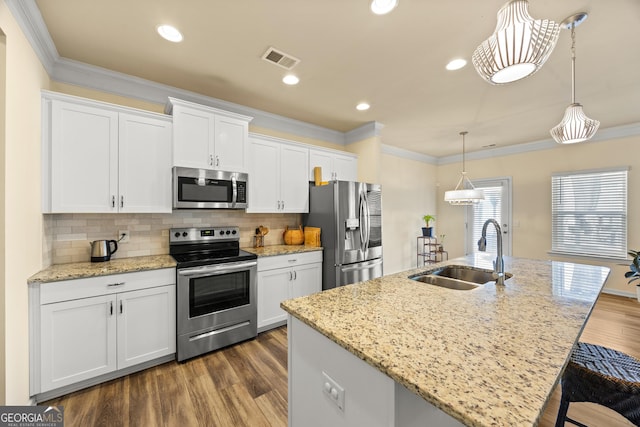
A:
{"x": 350, "y": 216}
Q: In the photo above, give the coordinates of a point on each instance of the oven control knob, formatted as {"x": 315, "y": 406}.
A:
{"x": 177, "y": 234}
{"x": 233, "y": 232}
{"x": 185, "y": 234}
{"x": 228, "y": 232}
{"x": 221, "y": 232}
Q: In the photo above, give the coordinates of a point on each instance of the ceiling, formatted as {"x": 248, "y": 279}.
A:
{"x": 394, "y": 62}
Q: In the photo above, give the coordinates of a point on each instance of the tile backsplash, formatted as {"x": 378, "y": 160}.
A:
{"x": 67, "y": 236}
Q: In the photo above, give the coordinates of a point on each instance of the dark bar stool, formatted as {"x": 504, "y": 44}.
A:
{"x": 604, "y": 376}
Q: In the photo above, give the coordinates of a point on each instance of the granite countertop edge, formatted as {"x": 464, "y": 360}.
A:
{"x": 350, "y": 313}
{"x": 275, "y": 250}
{"x": 82, "y": 270}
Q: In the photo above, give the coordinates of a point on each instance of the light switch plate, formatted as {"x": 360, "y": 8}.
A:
{"x": 333, "y": 391}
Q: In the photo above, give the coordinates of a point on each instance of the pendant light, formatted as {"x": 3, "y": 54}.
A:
{"x": 465, "y": 193}
{"x": 518, "y": 47}
{"x": 575, "y": 125}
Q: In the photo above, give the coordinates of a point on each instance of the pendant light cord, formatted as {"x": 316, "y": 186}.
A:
{"x": 573, "y": 63}
{"x": 463, "y": 133}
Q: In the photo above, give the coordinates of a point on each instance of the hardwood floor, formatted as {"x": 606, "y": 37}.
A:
{"x": 246, "y": 384}
{"x": 614, "y": 323}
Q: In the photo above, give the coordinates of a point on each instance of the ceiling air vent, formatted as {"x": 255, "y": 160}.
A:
{"x": 280, "y": 58}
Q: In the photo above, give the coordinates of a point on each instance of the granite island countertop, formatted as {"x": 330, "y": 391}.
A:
{"x": 488, "y": 357}
{"x": 274, "y": 250}
{"x": 78, "y": 270}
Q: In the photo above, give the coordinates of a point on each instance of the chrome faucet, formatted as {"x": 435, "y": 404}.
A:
{"x": 498, "y": 264}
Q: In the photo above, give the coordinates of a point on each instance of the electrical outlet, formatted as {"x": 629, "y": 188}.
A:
{"x": 123, "y": 236}
{"x": 333, "y": 391}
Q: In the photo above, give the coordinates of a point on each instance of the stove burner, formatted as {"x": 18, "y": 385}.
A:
{"x": 192, "y": 247}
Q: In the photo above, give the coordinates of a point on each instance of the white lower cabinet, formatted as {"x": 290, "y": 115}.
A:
{"x": 78, "y": 339}
{"x": 145, "y": 319}
{"x": 283, "y": 277}
{"x": 96, "y": 326}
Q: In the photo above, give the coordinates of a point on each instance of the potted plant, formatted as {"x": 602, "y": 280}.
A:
{"x": 428, "y": 231}
{"x": 634, "y": 271}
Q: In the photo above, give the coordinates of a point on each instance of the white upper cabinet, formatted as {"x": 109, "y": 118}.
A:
{"x": 99, "y": 157}
{"x": 209, "y": 138}
{"x": 83, "y": 147}
{"x": 144, "y": 164}
{"x": 335, "y": 165}
{"x": 278, "y": 176}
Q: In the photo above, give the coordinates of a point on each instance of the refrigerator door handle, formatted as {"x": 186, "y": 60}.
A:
{"x": 363, "y": 266}
{"x": 361, "y": 225}
{"x": 365, "y": 231}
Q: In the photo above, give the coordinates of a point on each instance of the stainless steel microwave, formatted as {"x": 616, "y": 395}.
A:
{"x": 209, "y": 189}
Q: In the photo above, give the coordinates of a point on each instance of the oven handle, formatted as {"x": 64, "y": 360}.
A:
{"x": 217, "y": 269}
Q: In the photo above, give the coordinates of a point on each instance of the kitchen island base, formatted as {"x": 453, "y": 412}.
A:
{"x": 322, "y": 375}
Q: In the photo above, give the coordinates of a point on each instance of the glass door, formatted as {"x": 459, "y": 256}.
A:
{"x": 496, "y": 205}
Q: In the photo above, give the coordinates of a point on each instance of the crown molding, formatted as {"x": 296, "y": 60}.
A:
{"x": 406, "y": 154}
{"x": 29, "y": 18}
{"x": 366, "y": 131}
{"x": 64, "y": 70}
{"x": 602, "y": 135}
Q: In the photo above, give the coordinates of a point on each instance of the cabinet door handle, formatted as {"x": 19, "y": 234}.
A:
{"x": 113, "y": 201}
{"x": 290, "y": 276}
{"x": 111, "y": 308}
{"x": 295, "y": 275}
{"x": 217, "y": 161}
{"x": 210, "y": 159}
{"x": 120, "y": 306}
{"x": 116, "y": 284}
{"x": 122, "y": 201}
{"x": 283, "y": 205}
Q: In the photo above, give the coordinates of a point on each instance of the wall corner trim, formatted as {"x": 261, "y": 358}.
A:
{"x": 366, "y": 131}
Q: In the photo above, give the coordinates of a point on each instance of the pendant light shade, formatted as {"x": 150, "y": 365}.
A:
{"x": 465, "y": 193}
{"x": 518, "y": 47}
{"x": 575, "y": 125}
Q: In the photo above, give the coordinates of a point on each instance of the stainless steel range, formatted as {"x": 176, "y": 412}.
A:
{"x": 216, "y": 289}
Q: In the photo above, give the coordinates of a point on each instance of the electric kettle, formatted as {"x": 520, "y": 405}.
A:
{"x": 101, "y": 250}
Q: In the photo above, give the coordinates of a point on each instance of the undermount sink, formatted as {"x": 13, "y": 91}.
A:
{"x": 446, "y": 282}
{"x": 457, "y": 277}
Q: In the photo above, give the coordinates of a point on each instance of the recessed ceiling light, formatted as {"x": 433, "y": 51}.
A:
{"x": 170, "y": 33}
{"x": 290, "y": 79}
{"x": 381, "y": 7}
{"x": 456, "y": 64}
{"x": 363, "y": 106}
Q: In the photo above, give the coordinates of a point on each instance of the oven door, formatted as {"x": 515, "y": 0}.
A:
{"x": 216, "y": 296}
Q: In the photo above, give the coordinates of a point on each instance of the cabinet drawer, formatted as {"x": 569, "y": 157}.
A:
{"x": 290, "y": 260}
{"x": 104, "y": 285}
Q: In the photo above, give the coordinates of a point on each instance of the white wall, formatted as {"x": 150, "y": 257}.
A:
{"x": 25, "y": 77}
{"x": 408, "y": 193}
{"x": 531, "y": 174}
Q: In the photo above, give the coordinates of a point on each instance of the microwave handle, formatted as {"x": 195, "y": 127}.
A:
{"x": 234, "y": 186}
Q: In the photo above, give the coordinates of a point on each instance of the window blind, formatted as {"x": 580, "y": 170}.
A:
{"x": 490, "y": 207}
{"x": 589, "y": 213}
